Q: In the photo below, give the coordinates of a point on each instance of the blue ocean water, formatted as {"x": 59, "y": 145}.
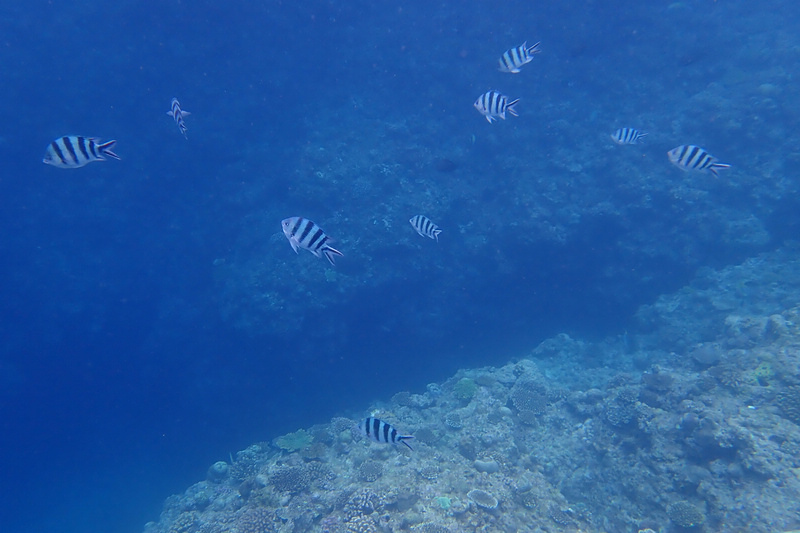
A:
{"x": 154, "y": 320}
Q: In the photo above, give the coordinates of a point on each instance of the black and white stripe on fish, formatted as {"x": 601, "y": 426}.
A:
{"x": 513, "y": 59}
{"x": 691, "y": 157}
{"x": 75, "y": 151}
{"x": 425, "y": 227}
{"x": 177, "y": 114}
{"x": 380, "y": 431}
{"x": 627, "y": 136}
{"x": 493, "y": 105}
{"x": 303, "y": 233}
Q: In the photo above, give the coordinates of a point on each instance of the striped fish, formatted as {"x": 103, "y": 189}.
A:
{"x": 302, "y": 233}
{"x": 177, "y": 114}
{"x": 74, "y": 151}
{"x": 425, "y": 227}
{"x": 380, "y": 431}
{"x": 494, "y": 105}
{"x": 627, "y": 136}
{"x": 513, "y": 59}
{"x": 691, "y": 157}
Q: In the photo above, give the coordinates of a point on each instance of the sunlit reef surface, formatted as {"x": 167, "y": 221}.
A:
{"x": 687, "y": 422}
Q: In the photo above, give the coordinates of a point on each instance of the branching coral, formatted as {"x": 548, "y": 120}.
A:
{"x": 185, "y": 523}
{"x": 256, "y": 521}
{"x": 290, "y": 479}
{"x": 685, "y": 514}
{"x": 529, "y": 396}
{"x": 453, "y": 420}
{"x": 363, "y": 501}
{"x": 370, "y": 471}
{"x": 788, "y": 401}
{"x": 361, "y": 524}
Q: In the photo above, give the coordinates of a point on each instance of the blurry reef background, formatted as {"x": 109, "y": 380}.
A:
{"x": 154, "y": 318}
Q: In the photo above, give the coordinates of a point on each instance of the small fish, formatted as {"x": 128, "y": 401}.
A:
{"x": 513, "y": 59}
{"x": 380, "y": 431}
{"x": 74, "y": 151}
{"x": 691, "y": 157}
{"x": 177, "y": 113}
{"x": 425, "y": 227}
{"x": 302, "y": 233}
{"x": 494, "y": 105}
{"x": 627, "y": 136}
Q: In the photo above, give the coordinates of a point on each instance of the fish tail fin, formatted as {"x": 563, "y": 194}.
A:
{"x": 436, "y": 234}
{"x": 330, "y": 253}
{"x": 510, "y": 107}
{"x": 404, "y": 438}
{"x": 717, "y": 166}
{"x": 105, "y": 149}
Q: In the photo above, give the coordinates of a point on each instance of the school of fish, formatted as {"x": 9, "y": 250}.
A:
{"x": 75, "y": 151}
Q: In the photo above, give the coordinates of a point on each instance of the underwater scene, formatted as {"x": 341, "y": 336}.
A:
{"x": 384, "y": 267}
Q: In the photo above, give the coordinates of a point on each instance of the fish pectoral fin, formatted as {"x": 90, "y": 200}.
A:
{"x": 293, "y": 242}
{"x": 185, "y": 113}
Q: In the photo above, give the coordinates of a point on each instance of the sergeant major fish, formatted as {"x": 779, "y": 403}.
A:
{"x": 302, "y": 233}
{"x": 691, "y": 157}
{"x": 627, "y": 136}
{"x": 177, "y": 114}
{"x": 380, "y": 431}
{"x": 493, "y": 105}
{"x": 513, "y": 59}
{"x": 425, "y": 227}
{"x": 74, "y": 151}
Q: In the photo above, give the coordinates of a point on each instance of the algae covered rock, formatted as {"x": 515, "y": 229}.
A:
{"x": 291, "y": 442}
{"x": 483, "y": 499}
{"x": 218, "y": 472}
{"x": 465, "y": 389}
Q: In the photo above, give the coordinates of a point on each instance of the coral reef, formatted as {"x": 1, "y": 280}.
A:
{"x": 788, "y": 400}
{"x": 685, "y": 514}
{"x": 622, "y": 434}
{"x": 483, "y": 499}
{"x": 218, "y": 471}
{"x": 290, "y": 479}
{"x": 291, "y": 442}
{"x": 257, "y": 520}
{"x": 370, "y": 471}
{"x": 528, "y": 396}
{"x": 465, "y": 389}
